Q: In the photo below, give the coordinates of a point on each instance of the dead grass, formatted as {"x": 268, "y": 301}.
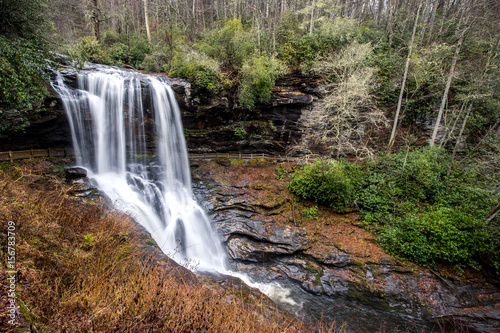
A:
{"x": 81, "y": 268}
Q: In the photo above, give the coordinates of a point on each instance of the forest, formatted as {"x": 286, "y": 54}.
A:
{"x": 407, "y": 110}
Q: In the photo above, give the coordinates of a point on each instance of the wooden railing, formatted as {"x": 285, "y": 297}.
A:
{"x": 13, "y": 155}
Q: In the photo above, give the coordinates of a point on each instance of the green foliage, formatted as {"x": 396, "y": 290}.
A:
{"x": 23, "y": 80}
{"x": 404, "y": 176}
{"x": 330, "y": 183}
{"x": 305, "y": 49}
{"x": 89, "y": 239}
{"x": 114, "y": 50}
{"x": 258, "y": 76}
{"x": 23, "y": 64}
{"x": 423, "y": 215}
{"x": 22, "y": 18}
{"x": 311, "y": 213}
{"x": 440, "y": 234}
{"x": 281, "y": 172}
{"x": 240, "y": 132}
{"x": 230, "y": 45}
{"x": 204, "y": 71}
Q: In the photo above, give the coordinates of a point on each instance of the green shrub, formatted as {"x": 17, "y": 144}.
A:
{"x": 240, "y": 132}
{"x": 281, "y": 172}
{"x": 258, "y": 76}
{"x": 440, "y": 234}
{"x": 415, "y": 176}
{"x": 119, "y": 53}
{"x": 139, "y": 47}
{"x": 311, "y": 213}
{"x": 330, "y": 183}
{"x": 423, "y": 215}
{"x": 23, "y": 80}
{"x": 204, "y": 72}
{"x": 88, "y": 49}
{"x": 230, "y": 45}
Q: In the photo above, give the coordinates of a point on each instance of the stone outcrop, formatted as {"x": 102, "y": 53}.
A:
{"x": 215, "y": 122}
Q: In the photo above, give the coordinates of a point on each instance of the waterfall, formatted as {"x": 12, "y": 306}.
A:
{"x": 111, "y": 129}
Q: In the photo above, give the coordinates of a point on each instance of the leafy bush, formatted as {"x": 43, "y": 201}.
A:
{"x": 258, "y": 76}
{"x": 415, "y": 176}
{"x": 88, "y": 50}
{"x": 115, "y": 50}
{"x": 423, "y": 215}
{"x": 204, "y": 72}
{"x": 440, "y": 234}
{"x": 330, "y": 183}
{"x": 311, "y": 212}
{"x": 328, "y": 36}
{"x": 240, "y": 132}
{"x": 281, "y": 172}
{"x": 23, "y": 79}
{"x": 138, "y": 49}
{"x": 230, "y": 45}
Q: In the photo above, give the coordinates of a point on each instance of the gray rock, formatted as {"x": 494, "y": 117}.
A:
{"x": 75, "y": 173}
{"x": 334, "y": 284}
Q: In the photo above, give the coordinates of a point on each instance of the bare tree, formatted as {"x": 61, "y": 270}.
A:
{"x": 403, "y": 84}
{"x": 312, "y": 19}
{"x": 146, "y": 19}
{"x": 448, "y": 84}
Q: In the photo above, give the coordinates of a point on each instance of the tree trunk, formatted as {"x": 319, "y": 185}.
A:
{"x": 424, "y": 15}
{"x": 458, "y": 140}
{"x": 147, "y": 20}
{"x": 379, "y": 10}
{"x": 396, "y": 118}
{"x": 312, "y": 19}
{"x": 431, "y": 24}
{"x": 97, "y": 22}
{"x": 491, "y": 215}
{"x": 447, "y": 89}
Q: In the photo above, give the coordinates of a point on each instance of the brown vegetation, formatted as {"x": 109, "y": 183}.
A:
{"x": 82, "y": 268}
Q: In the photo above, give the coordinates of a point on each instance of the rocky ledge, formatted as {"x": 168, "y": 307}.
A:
{"x": 264, "y": 240}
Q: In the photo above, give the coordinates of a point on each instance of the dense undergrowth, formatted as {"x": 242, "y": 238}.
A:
{"x": 81, "y": 268}
{"x": 418, "y": 212}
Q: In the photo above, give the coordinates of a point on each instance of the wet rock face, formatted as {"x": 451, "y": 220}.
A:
{"x": 269, "y": 252}
{"x": 253, "y": 241}
{"x": 48, "y": 128}
{"x": 212, "y": 121}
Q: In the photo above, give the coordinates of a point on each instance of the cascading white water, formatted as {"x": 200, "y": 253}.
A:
{"x": 108, "y": 122}
{"x": 109, "y": 131}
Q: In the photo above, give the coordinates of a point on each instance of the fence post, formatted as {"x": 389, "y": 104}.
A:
{"x": 10, "y": 156}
